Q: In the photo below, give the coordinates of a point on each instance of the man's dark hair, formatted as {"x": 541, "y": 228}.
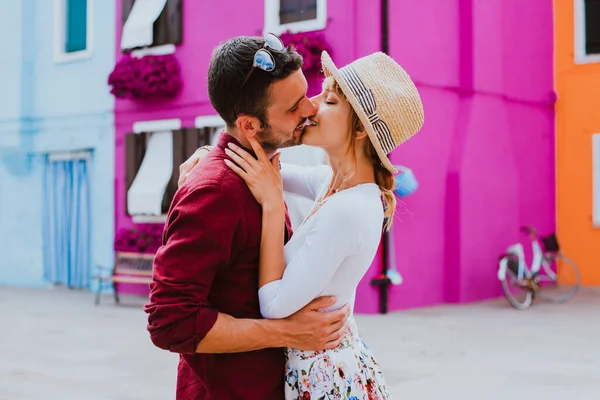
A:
{"x": 229, "y": 65}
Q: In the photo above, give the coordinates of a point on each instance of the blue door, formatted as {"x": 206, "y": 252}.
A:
{"x": 66, "y": 218}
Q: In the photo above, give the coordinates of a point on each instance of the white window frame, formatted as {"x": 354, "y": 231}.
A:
{"x": 596, "y": 180}
{"x": 149, "y": 127}
{"x": 157, "y": 125}
{"x": 272, "y": 8}
{"x": 209, "y": 121}
{"x": 60, "y": 30}
{"x": 580, "y": 55}
{"x": 155, "y": 51}
{"x": 70, "y": 155}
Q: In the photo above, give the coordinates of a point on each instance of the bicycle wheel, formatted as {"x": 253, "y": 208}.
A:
{"x": 558, "y": 278}
{"x": 518, "y": 295}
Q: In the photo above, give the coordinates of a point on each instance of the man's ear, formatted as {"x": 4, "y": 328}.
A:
{"x": 248, "y": 126}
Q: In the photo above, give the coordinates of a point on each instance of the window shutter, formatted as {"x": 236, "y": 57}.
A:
{"x": 76, "y": 29}
{"x": 135, "y": 147}
{"x": 168, "y": 26}
{"x": 185, "y": 142}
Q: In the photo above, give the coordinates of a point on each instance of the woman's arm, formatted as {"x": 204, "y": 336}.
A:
{"x": 334, "y": 236}
{"x": 304, "y": 181}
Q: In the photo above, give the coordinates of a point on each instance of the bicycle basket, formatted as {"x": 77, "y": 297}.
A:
{"x": 550, "y": 243}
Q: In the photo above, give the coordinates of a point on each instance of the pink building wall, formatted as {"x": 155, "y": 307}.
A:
{"x": 484, "y": 159}
{"x": 206, "y": 25}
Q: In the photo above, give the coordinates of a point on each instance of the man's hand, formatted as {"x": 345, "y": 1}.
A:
{"x": 311, "y": 329}
{"x": 190, "y": 163}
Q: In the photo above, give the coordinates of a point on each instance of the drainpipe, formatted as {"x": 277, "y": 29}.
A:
{"x": 453, "y": 217}
{"x": 385, "y": 21}
{"x": 382, "y": 280}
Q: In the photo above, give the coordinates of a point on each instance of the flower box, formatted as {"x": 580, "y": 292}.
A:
{"x": 146, "y": 78}
{"x": 309, "y": 45}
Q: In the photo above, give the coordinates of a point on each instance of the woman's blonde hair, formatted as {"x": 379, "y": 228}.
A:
{"x": 383, "y": 178}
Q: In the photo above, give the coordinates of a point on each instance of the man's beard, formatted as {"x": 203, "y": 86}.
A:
{"x": 271, "y": 142}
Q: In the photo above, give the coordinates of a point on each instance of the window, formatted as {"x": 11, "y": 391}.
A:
{"x": 295, "y": 15}
{"x": 297, "y": 10}
{"x": 153, "y": 154}
{"x": 592, "y": 26}
{"x": 151, "y": 23}
{"x": 596, "y": 180}
{"x": 72, "y": 30}
{"x": 587, "y": 34}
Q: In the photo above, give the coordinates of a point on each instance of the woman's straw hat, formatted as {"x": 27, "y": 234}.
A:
{"x": 384, "y": 98}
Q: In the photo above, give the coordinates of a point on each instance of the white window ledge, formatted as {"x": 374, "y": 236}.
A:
{"x": 154, "y": 51}
{"x": 69, "y": 155}
{"x": 587, "y": 59}
{"x": 62, "y": 58}
{"x": 157, "y": 125}
{"x": 209, "y": 121}
{"x": 149, "y": 219}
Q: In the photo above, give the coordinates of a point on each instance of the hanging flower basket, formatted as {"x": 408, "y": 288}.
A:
{"x": 143, "y": 239}
{"x": 146, "y": 78}
{"x": 309, "y": 45}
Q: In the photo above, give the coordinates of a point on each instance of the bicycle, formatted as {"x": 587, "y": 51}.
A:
{"x": 552, "y": 276}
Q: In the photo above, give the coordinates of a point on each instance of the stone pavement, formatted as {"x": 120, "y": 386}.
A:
{"x": 55, "y": 345}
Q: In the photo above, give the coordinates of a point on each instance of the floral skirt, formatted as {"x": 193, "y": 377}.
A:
{"x": 348, "y": 372}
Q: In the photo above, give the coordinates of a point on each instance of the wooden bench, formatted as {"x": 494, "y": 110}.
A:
{"x": 134, "y": 268}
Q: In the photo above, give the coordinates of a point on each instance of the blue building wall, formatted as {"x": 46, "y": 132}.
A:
{"x": 49, "y": 105}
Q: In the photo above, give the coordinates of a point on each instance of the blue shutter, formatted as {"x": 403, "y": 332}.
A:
{"x": 76, "y": 32}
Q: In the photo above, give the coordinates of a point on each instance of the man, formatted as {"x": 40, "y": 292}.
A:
{"x": 204, "y": 295}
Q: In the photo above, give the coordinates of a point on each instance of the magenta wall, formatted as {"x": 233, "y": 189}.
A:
{"x": 204, "y": 27}
{"x": 485, "y": 157}
{"x": 206, "y": 24}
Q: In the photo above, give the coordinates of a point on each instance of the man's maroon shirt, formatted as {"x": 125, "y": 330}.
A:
{"x": 208, "y": 264}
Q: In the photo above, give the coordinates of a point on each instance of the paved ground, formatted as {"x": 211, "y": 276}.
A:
{"x": 56, "y": 345}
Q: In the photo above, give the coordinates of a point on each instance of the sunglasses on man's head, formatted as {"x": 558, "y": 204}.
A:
{"x": 263, "y": 58}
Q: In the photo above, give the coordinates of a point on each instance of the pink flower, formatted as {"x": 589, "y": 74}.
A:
{"x": 309, "y": 45}
{"x": 144, "y": 238}
{"x": 305, "y": 382}
{"x": 145, "y": 78}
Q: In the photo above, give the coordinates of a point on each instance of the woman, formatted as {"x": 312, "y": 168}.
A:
{"x": 366, "y": 109}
